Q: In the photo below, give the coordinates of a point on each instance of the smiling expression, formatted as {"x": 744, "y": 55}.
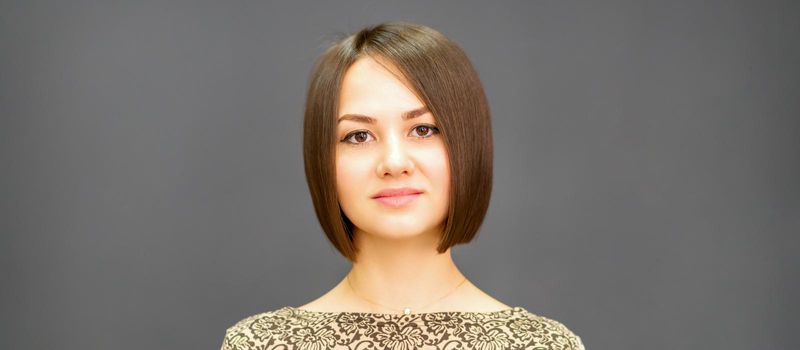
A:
{"x": 387, "y": 139}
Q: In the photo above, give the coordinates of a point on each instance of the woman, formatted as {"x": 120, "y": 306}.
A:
{"x": 398, "y": 159}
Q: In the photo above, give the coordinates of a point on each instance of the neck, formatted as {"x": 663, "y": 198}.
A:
{"x": 402, "y": 272}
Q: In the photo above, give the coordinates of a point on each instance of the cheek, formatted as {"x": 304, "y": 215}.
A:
{"x": 350, "y": 172}
{"x": 439, "y": 171}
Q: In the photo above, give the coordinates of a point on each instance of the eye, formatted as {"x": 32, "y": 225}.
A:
{"x": 359, "y": 137}
{"x": 426, "y": 130}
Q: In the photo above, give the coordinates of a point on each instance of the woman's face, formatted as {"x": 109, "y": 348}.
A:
{"x": 381, "y": 147}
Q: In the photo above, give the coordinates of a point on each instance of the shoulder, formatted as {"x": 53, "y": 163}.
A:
{"x": 254, "y": 330}
{"x": 551, "y": 333}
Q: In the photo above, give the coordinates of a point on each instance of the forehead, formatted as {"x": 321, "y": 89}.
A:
{"x": 373, "y": 88}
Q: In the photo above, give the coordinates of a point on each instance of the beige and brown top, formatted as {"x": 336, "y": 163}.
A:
{"x": 293, "y": 328}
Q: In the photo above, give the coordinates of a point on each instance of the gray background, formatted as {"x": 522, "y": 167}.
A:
{"x": 646, "y": 191}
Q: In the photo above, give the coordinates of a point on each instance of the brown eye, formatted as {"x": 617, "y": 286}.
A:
{"x": 360, "y": 136}
{"x": 356, "y": 138}
{"x": 426, "y": 131}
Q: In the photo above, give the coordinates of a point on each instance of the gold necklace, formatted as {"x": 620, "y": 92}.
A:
{"x": 406, "y": 310}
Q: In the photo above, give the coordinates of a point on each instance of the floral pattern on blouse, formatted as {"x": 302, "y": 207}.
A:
{"x": 292, "y": 328}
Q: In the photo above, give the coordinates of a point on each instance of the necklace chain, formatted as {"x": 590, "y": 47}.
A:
{"x": 406, "y": 310}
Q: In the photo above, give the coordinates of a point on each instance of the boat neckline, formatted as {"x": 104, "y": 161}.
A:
{"x": 506, "y": 310}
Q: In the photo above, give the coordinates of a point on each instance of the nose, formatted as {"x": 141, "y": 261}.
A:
{"x": 395, "y": 159}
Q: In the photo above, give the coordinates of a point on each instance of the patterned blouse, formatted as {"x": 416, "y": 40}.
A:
{"x": 292, "y": 328}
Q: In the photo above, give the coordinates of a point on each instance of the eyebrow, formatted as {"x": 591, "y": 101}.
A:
{"x": 360, "y": 118}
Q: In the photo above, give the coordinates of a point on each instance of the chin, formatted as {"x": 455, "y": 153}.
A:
{"x": 398, "y": 230}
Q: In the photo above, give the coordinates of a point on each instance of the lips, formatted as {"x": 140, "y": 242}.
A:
{"x": 394, "y": 192}
{"x": 397, "y": 197}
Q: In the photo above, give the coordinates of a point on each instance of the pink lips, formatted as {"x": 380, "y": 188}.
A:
{"x": 397, "y": 197}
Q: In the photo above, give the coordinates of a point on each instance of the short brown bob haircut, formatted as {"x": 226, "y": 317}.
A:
{"x": 438, "y": 71}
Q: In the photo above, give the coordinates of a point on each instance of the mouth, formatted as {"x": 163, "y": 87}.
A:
{"x": 397, "y": 197}
{"x": 399, "y": 200}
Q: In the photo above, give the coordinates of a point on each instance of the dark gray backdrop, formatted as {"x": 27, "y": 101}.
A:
{"x": 646, "y": 190}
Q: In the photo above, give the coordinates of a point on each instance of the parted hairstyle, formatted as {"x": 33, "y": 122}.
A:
{"x": 439, "y": 73}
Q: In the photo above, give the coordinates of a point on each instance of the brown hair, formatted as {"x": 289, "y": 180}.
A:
{"x": 443, "y": 78}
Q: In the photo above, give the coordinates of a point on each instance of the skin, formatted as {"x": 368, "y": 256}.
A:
{"x": 398, "y": 265}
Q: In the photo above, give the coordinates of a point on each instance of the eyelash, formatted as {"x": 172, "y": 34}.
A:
{"x": 434, "y": 131}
